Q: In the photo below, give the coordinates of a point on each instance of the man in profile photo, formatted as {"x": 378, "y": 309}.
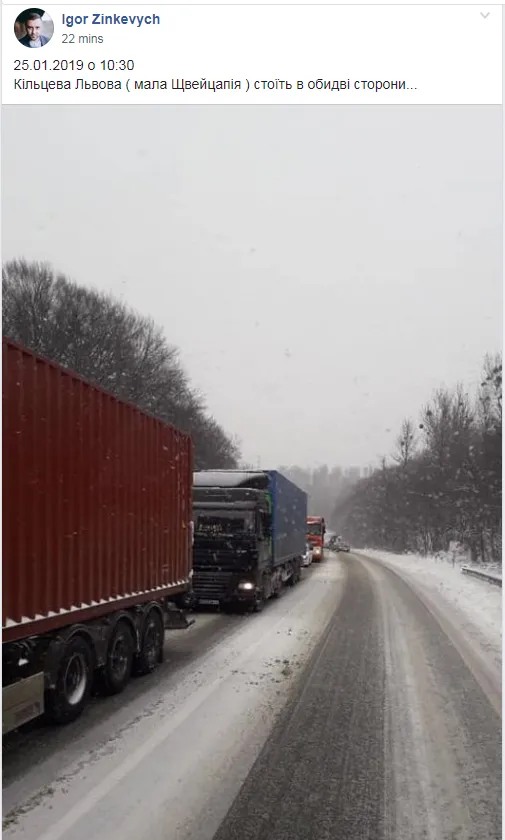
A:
{"x": 34, "y": 36}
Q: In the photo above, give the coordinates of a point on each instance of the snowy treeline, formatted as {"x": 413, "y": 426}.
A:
{"x": 106, "y": 342}
{"x": 442, "y": 484}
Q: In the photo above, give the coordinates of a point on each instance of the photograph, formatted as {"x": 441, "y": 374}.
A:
{"x": 34, "y": 28}
{"x": 252, "y": 435}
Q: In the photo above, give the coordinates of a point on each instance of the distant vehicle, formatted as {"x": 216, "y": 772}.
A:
{"x": 307, "y": 557}
{"x": 96, "y": 539}
{"x": 328, "y": 539}
{"x": 316, "y": 530}
{"x": 336, "y": 543}
{"x": 249, "y": 536}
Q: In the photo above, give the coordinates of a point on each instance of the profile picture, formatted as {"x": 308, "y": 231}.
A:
{"x": 34, "y": 28}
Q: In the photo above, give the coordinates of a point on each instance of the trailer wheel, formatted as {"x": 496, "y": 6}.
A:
{"x": 67, "y": 700}
{"x": 118, "y": 666}
{"x": 151, "y": 652}
{"x": 292, "y": 578}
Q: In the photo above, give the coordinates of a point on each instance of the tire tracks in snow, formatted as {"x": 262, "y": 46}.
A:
{"x": 392, "y": 735}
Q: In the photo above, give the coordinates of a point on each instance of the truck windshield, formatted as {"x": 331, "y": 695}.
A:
{"x": 314, "y": 529}
{"x": 220, "y": 523}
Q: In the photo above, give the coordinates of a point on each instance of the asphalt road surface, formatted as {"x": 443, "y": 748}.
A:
{"x": 390, "y": 734}
{"x": 350, "y": 708}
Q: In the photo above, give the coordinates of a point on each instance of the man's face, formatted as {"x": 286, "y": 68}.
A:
{"x": 33, "y": 28}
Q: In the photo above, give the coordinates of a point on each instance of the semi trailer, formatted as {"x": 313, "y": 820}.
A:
{"x": 96, "y": 539}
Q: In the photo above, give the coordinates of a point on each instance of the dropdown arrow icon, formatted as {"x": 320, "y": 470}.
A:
{"x": 485, "y": 14}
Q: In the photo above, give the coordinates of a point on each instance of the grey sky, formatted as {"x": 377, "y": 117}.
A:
{"x": 321, "y": 269}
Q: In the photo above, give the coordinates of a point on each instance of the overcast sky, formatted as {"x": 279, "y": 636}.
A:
{"x": 322, "y": 269}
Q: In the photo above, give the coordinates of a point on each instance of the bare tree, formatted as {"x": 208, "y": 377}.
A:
{"x": 111, "y": 345}
{"x": 444, "y": 486}
{"x": 405, "y": 444}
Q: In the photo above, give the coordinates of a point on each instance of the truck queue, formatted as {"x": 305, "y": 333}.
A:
{"x": 110, "y": 539}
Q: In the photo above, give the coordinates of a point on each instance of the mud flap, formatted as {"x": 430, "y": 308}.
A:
{"x": 177, "y": 620}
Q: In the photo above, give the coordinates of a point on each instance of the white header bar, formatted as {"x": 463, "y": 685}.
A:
{"x": 310, "y": 3}
{"x": 378, "y": 55}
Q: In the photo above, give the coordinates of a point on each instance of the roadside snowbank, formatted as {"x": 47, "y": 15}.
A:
{"x": 478, "y": 601}
{"x": 460, "y": 558}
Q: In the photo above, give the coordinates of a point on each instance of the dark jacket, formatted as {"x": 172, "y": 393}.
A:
{"x": 26, "y": 41}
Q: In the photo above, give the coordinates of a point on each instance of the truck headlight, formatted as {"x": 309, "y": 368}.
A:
{"x": 246, "y": 585}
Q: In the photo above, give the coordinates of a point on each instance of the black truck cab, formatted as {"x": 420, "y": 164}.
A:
{"x": 232, "y": 546}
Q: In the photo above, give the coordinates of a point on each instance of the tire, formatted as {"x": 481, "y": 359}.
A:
{"x": 295, "y": 576}
{"x": 153, "y": 638}
{"x": 67, "y": 700}
{"x": 277, "y": 590}
{"x": 259, "y": 602}
{"x": 118, "y": 667}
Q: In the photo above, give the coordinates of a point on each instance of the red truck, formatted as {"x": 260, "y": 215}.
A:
{"x": 316, "y": 530}
{"x": 96, "y": 539}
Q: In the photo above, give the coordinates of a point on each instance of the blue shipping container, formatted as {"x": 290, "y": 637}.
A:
{"x": 289, "y": 506}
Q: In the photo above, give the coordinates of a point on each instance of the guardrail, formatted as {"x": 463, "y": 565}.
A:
{"x": 482, "y": 575}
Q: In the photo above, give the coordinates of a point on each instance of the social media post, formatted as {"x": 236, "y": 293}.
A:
{"x": 252, "y": 423}
{"x": 252, "y": 54}
{"x": 312, "y": 296}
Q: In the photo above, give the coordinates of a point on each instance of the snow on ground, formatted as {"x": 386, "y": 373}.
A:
{"x": 173, "y": 773}
{"x": 479, "y": 602}
{"x": 458, "y": 557}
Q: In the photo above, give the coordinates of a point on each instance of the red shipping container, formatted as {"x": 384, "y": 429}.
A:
{"x": 96, "y": 500}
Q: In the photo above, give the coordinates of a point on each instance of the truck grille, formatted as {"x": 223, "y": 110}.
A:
{"x": 210, "y": 585}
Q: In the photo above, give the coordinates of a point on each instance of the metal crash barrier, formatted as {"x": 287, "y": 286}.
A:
{"x": 496, "y": 581}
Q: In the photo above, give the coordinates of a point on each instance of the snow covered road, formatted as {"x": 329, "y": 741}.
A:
{"x": 167, "y": 758}
{"x": 391, "y": 734}
{"x": 474, "y": 605}
{"x": 355, "y": 707}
